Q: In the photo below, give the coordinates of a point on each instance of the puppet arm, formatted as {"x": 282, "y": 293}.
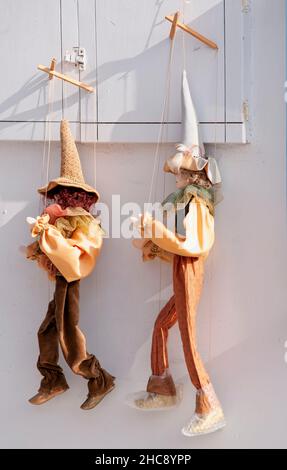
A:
{"x": 199, "y": 226}
{"x": 74, "y": 257}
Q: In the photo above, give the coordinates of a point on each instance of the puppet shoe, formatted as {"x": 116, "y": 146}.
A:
{"x": 204, "y": 424}
{"x": 149, "y": 401}
{"x": 152, "y": 401}
{"x": 156, "y": 401}
{"x": 42, "y": 397}
{"x": 94, "y": 400}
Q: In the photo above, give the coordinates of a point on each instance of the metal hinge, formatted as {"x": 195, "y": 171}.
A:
{"x": 78, "y": 57}
{"x": 245, "y": 110}
{"x": 245, "y": 6}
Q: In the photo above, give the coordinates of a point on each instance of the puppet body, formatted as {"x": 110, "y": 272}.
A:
{"x": 188, "y": 247}
{"x": 68, "y": 242}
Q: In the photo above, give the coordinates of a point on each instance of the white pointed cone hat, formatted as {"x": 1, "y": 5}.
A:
{"x": 191, "y": 153}
{"x": 71, "y": 169}
{"x": 190, "y": 137}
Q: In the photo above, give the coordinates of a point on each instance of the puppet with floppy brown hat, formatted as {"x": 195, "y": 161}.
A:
{"x": 68, "y": 242}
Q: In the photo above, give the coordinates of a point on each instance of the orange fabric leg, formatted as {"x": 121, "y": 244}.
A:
{"x": 188, "y": 280}
{"x": 161, "y": 381}
{"x": 165, "y": 320}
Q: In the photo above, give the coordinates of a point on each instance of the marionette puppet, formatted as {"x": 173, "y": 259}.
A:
{"x": 197, "y": 180}
{"x": 68, "y": 242}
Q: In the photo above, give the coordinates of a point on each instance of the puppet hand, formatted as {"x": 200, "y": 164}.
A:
{"x": 146, "y": 225}
{"x": 40, "y": 224}
{"x": 136, "y": 221}
{"x": 146, "y": 219}
{"x": 143, "y": 224}
{"x": 30, "y": 220}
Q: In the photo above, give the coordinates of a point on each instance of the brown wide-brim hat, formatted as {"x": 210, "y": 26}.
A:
{"x": 68, "y": 183}
{"x": 71, "y": 169}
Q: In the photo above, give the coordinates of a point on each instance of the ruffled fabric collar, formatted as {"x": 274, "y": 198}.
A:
{"x": 184, "y": 196}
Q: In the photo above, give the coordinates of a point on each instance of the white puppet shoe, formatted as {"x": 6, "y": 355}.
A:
{"x": 205, "y": 424}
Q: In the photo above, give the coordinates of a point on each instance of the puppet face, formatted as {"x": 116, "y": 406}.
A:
{"x": 73, "y": 197}
{"x": 182, "y": 179}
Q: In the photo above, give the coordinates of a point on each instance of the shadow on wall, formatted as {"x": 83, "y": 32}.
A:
{"x": 145, "y": 73}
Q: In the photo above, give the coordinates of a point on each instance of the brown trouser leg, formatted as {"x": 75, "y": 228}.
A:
{"x": 187, "y": 281}
{"x": 61, "y": 324}
{"x": 48, "y": 337}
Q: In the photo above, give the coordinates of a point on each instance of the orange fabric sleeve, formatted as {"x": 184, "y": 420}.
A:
{"x": 199, "y": 226}
{"x": 74, "y": 257}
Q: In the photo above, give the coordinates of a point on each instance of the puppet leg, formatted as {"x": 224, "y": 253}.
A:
{"x": 53, "y": 382}
{"x": 161, "y": 381}
{"x": 73, "y": 343}
{"x": 161, "y": 390}
{"x": 188, "y": 280}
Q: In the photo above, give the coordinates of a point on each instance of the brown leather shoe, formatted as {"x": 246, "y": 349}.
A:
{"x": 93, "y": 400}
{"x": 42, "y": 397}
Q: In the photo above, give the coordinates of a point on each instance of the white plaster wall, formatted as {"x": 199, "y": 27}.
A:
{"x": 242, "y": 316}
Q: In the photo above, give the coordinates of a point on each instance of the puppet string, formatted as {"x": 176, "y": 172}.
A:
{"x": 166, "y": 139}
{"x": 212, "y": 255}
{"x": 95, "y": 124}
{"x": 183, "y": 36}
{"x": 49, "y": 138}
{"x": 161, "y": 127}
{"x": 216, "y": 102}
{"x": 46, "y": 156}
{"x": 91, "y": 130}
{"x": 95, "y": 138}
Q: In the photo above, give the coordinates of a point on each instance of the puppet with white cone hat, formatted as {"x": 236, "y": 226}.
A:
{"x": 197, "y": 178}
